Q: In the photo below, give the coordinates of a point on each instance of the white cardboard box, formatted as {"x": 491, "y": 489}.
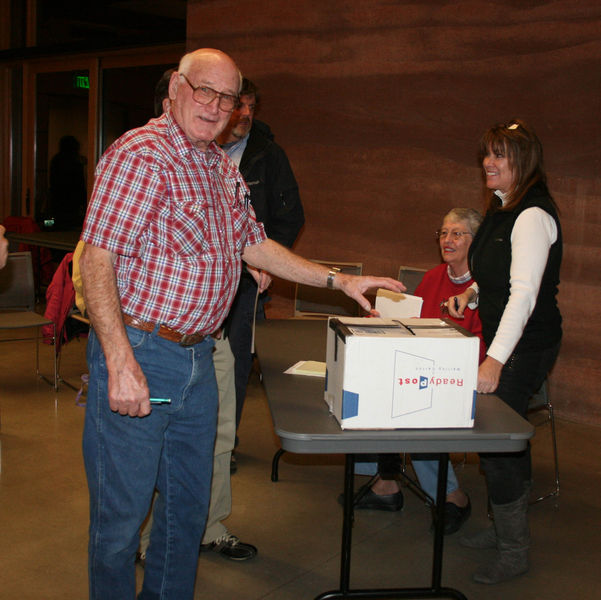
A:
{"x": 400, "y": 373}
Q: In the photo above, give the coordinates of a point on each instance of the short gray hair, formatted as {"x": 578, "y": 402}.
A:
{"x": 467, "y": 215}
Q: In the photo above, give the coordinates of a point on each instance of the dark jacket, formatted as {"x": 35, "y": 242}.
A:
{"x": 490, "y": 262}
{"x": 273, "y": 188}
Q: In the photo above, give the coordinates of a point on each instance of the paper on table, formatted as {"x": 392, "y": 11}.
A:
{"x": 312, "y": 368}
{"x": 393, "y": 305}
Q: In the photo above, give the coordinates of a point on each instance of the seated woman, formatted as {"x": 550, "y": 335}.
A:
{"x": 448, "y": 279}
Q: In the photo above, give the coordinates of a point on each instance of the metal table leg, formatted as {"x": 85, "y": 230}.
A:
{"x": 274, "y": 464}
{"x": 435, "y": 591}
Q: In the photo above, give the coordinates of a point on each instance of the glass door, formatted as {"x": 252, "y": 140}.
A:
{"x": 61, "y": 149}
{"x": 73, "y": 109}
{"x": 59, "y": 106}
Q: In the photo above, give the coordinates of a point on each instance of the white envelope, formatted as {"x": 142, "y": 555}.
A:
{"x": 393, "y": 305}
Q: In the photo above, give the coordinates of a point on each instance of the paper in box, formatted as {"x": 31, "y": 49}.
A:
{"x": 400, "y": 373}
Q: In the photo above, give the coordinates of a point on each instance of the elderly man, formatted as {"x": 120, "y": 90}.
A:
{"x": 216, "y": 536}
{"x": 168, "y": 224}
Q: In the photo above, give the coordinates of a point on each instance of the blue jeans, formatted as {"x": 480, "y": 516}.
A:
{"x": 126, "y": 458}
{"x": 426, "y": 469}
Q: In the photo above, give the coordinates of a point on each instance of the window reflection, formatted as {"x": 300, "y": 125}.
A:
{"x": 61, "y": 149}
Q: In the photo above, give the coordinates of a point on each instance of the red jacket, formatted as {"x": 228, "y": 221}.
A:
{"x": 60, "y": 297}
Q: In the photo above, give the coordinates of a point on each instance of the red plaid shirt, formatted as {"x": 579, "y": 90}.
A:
{"x": 178, "y": 220}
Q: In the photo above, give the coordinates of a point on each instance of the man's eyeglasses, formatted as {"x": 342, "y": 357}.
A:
{"x": 455, "y": 235}
{"x": 205, "y": 95}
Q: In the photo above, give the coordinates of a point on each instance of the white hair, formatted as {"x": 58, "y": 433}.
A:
{"x": 187, "y": 60}
{"x": 466, "y": 215}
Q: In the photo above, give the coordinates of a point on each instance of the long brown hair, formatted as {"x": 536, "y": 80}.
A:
{"x": 524, "y": 152}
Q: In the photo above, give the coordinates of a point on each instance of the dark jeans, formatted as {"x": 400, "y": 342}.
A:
{"x": 508, "y": 473}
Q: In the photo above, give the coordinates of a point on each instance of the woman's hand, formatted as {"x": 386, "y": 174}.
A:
{"x": 456, "y": 305}
{"x": 489, "y": 373}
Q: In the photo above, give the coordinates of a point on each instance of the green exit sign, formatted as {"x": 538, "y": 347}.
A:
{"x": 81, "y": 82}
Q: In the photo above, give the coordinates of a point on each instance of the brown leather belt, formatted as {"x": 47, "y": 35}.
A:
{"x": 183, "y": 339}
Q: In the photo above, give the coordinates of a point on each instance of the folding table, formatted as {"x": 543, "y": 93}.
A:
{"x": 303, "y": 424}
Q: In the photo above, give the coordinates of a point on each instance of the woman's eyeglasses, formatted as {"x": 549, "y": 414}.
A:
{"x": 455, "y": 235}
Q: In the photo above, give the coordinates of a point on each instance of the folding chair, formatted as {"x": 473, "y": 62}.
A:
{"x": 541, "y": 401}
{"x": 411, "y": 277}
{"x": 17, "y": 304}
{"x": 314, "y": 302}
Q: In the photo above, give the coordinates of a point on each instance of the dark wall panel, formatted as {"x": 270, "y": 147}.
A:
{"x": 380, "y": 105}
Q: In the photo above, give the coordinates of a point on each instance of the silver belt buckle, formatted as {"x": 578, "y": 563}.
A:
{"x": 186, "y": 341}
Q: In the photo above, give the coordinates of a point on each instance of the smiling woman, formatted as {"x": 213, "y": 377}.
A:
{"x": 450, "y": 278}
{"x": 453, "y": 276}
{"x": 515, "y": 259}
{"x": 499, "y": 175}
{"x": 455, "y": 237}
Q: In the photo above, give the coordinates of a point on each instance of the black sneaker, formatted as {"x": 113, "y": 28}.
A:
{"x": 231, "y": 547}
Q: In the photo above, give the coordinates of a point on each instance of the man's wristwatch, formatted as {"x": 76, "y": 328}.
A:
{"x": 331, "y": 275}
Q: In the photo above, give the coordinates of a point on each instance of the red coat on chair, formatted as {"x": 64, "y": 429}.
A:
{"x": 60, "y": 297}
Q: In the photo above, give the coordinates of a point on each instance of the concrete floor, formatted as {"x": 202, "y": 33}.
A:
{"x": 295, "y": 523}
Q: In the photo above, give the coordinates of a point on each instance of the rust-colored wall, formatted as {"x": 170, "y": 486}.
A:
{"x": 379, "y": 105}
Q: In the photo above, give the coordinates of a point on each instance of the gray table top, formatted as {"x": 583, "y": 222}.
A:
{"x": 304, "y": 425}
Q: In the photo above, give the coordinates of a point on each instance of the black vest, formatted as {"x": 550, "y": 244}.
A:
{"x": 490, "y": 261}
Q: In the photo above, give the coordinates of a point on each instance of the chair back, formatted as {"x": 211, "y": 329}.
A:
{"x": 17, "y": 291}
{"x": 540, "y": 399}
{"x": 411, "y": 277}
{"x": 310, "y": 301}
